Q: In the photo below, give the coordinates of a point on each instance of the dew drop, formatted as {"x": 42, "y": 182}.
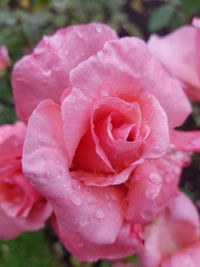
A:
{"x": 99, "y": 214}
{"x": 84, "y": 222}
{"x": 155, "y": 178}
{"x": 76, "y": 200}
{"x": 151, "y": 193}
{"x": 47, "y": 72}
{"x": 146, "y": 215}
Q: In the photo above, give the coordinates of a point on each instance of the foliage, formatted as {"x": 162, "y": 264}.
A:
{"x": 23, "y": 22}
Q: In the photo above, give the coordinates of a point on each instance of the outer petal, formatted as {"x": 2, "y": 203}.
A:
{"x": 11, "y": 227}
{"x": 126, "y": 244}
{"x": 186, "y": 141}
{"x": 178, "y": 55}
{"x": 175, "y": 228}
{"x": 124, "y": 67}
{"x": 153, "y": 184}
{"x": 188, "y": 257}
{"x": 44, "y": 73}
{"x": 11, "y": 141}
{"x": 8, "y": 227}
{"x": 45, "y": 163}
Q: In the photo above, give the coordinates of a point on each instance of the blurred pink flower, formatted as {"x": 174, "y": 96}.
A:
{"x": 121, "y": 264}
{"x": 173, "y": 238}
{"x": 179, "y": 52}
{"x": 21, "y": 207}
{"x": 4, "y": 57}
{"x": 100, "y": 143}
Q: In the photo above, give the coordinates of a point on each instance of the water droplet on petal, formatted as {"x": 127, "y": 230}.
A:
{"x": 146, "y": 215}
{"x": 151, "y": 193}
{"x": 84, "y": 222}
{"x": 155, "y": 178}
{"x": 76, "y": 200}
{"x": 99, "y": 214}
{"x": 47, "y": 72}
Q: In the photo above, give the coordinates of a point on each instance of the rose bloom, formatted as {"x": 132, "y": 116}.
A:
{"x": 21, "y": 207}
{"x": 173, "y": 238}
{"x": 100, "y": 143}
{"x": 4, "y": 57}
{"x": 179, "y": 52}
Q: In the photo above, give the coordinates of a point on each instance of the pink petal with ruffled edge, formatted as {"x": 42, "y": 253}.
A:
{"x": 179, "y": 56}
{"x": 45, "y": 162}
{"x": 175, "y": 228}
{"x": 44, "y": 73}
{"x": 11, "y": 141}
{"x": 123, "y": 67}
{"x": 188, "y": 257}
{"x": 153, "y": 183}
{"x": 186, "y": 141}
{"x": 127, "y": 243}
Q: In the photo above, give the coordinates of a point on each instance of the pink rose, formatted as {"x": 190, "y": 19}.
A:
{"x": 4, "y": 57}
{"x": 173, "y": 238}
{"x": 21, "y": 207}
{"x": 179, "y": 52}
{"x": 101, "y": 146}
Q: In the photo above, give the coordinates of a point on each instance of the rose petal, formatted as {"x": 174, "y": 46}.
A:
{"x": 188, "y": 257}
{"x": 179, "y": 217}
{"x": 45, "y": 163}
{"x": 113, "y": 73}
{"x": 11, "y": 141}
{"x": 44, "y": 73}
{"x": 178, "y": 55}
{"x": 186, "y": 141}
{"x": 125, "y": 244}
{"x": 153, "y": 184}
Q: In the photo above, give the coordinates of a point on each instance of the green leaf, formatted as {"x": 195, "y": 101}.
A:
{"x": 30, "y": 249}
{"x": 160, "y": 17}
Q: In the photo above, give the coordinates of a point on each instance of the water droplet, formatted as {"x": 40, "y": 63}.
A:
{"x": 99, "y": 214}
{"x": 76, "y": 200}
{"x": 47, "y": 72}
{"x": 84, "y": 222}
{"x": 155, "y": 178}
{"x": 146, "y": 215}
{"x": 151, "y": 193}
